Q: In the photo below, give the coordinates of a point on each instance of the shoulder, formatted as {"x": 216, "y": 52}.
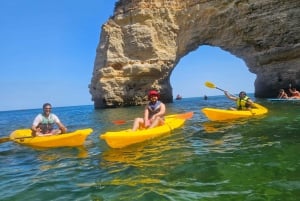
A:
{"x": 161, "y": 103}
{"x": 38, "y": 119}
{"x": 248, "y": 99}
{"x": 53, "y": 116}
{"x": 39, "y": 116}
{"x": 162, "y": 106}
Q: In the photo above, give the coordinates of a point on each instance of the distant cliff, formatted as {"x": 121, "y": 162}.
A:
{"x": 144, "y": 40}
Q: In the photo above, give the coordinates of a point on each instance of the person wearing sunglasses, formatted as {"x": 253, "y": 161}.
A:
{"x": 46, "y": 122}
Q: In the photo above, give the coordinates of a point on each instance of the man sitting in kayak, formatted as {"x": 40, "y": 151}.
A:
{"x": 243, "y": 102}
{"x": 43, "y": 124}
{"x": 153, "y": 113}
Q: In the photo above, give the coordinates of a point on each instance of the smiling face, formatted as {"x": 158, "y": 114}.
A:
{"x": 47, "y": 109}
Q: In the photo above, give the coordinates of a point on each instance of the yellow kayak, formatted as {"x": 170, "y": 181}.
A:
{"x": 76, "y": 138}
{"x": 214, "y": 114}
{"x": 119, "y": 139}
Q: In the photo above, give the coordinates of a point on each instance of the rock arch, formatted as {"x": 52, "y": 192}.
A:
{"x": 145, "y": 39}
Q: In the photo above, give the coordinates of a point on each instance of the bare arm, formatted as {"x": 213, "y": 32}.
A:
{"x": 146, "y": 114}
{"x": 251, "y": 103}
{"x": 146, "y": 117}
{"x": 35, "y": 129}
{"x": 62, "y": 127}
{"x": 229, "y": 96}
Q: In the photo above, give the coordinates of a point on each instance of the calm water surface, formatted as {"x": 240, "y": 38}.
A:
{"x": 253, "y": 159}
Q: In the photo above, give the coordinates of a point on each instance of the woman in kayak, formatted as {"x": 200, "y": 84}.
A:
{"x": 153, "y": 114}
{"x": 243, "y": 102}
{"x": 282, "y": 94}
{"x": 43, "y": 124}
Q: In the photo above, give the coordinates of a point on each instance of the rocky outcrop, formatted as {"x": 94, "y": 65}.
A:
{"x": 142, "y": 43}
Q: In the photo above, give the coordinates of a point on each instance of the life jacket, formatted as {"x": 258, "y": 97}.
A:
{"x": 242, "y": 103}
{"x": 153, "y": 108}
{"x": 47, "y": 124}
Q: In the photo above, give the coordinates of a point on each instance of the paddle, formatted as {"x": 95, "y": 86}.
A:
{"x": 6, "y": 139}
{"x": 186, "y": 115}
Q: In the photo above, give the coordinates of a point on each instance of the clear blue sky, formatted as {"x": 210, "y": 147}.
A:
{"x": 48, "y": 50}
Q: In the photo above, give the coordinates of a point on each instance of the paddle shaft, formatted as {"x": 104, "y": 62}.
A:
{"x": 6, "y": 139}
{"x": 223, "y": 90}
{"x": 220, "y": 89}
{"x": 213, "y": 86}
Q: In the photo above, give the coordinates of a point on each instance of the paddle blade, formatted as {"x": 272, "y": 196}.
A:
{"x": 210, "y": 85}
{"x": 119, "y": 122}
{"x": 186, "y": 115}
{"x": 4, "y": 139}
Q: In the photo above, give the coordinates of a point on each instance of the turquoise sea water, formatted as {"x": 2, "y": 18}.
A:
{"x": 254, "y": 159}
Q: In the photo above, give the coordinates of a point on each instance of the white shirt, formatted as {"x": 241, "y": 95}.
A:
{"x": 39, "y": 118}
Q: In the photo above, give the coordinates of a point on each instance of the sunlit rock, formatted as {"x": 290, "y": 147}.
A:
{"x": 144, "y": 40}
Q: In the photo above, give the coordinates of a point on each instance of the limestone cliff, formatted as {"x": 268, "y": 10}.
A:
{"x": 145, "y": 39}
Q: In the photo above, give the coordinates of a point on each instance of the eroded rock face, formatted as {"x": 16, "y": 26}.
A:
{"x": 145, "y": 39}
